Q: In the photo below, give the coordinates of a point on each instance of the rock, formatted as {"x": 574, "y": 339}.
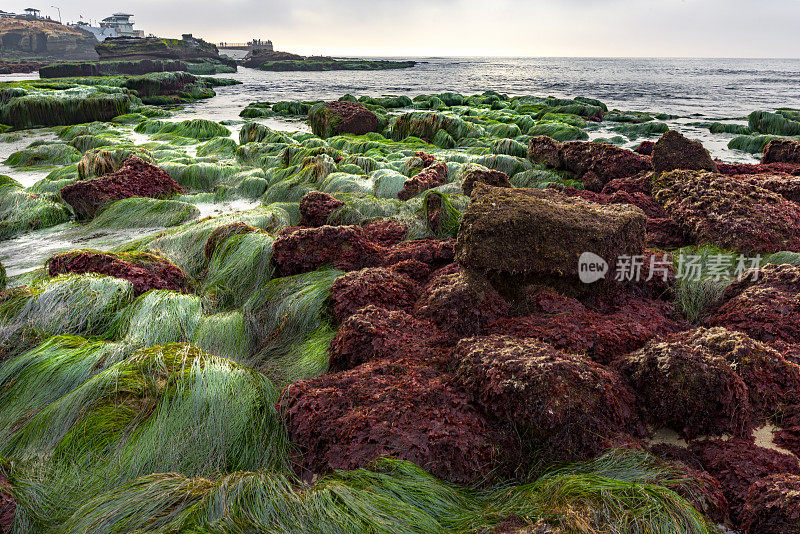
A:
{"x": 728, "y": 213}
{"x": 787, "y": 434}
{"x": 772, "y": 381}
{"x": 733, "y": 169}
{"x": 433, "y": 252}
{"x": 134, "y": 48}
{"x": 431, "y": 176}
{"x": 221, "y": 233}
{"x": 543, "y": 232}
{"x": 8, "y": 504}
{"x": 568, "y": 325}
{"x": 460, "y": 304}
{"x": 738, "y": 463}
{"x": 135, "y": 178}
{"x": 144, "y": 271}
{"x": 316, "y": 207}
{"x": 543, "y": 149}
{"x": 595, "y": 164}
{"x": 674, "y": 151}
{"x": 786, "y": 185}
{"x": 301, "y": 250}
{"x": 687, "y": 388}
{"x": 765, "y": 309}
{"x": 111, "y": 68}
{"x": 377, "y": 286}
{"x": 45, "y": 39}
{"x": 385, "y": 232}
{"x": 782, "y": 151}
{"x": 484, "y": 176}
{"x": 340, "y": 117}
{"x": 645, "y": 148}
{"x": 257, "y": 57}
{"x": 564, "y": 404}
{"x": 399, "y": 409}
{"x": 374, "y": 333}
{"x": 773, "y": 505}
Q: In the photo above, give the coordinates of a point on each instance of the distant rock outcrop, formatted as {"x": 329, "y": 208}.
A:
{"x": 45, "y": 39}
{"x": 132, "y": 48}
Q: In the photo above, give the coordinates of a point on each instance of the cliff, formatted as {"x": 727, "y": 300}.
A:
{"x": 21, "y": 38}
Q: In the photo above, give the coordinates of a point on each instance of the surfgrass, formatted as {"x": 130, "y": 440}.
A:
{"x": 773, "y": 124}
{"x": 426, "y": 125}
{"x": 447, "y": 216}
{"x": 100, "y": 161}
{"x": 289, "y": 316}
{"x": 628, "y": 492}
{"x": 220, "y": 147}
{"x": 700, "y": 287}
{"x": 753, "y": 144}
{"x": 559, "y": 131}
{"x": 201, "y": 129}
{"x": 225, "y": 335}
{"x": 40, "y": 155}
{"x": 238, "y": 267}
{"x": 142, "y": 212}
{"x": 22, "y": 211}
{"x": 166, "y": 408}
{"x": 33, "y": 380}
{"x": 70, "y": 104}
{"x": 158, "y": 317}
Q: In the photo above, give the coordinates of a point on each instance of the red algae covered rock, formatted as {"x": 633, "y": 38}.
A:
{"x": 374, "y": 333}
{"x": 221, "y": 233}
{"x": 687, "y": 388}
{"x": 433, "y": 252}
{"x": 533, "y": 231}
{"x": 135, "y": 178}
{"x": 8, "y": 504}
{"x": 772, "y": 381}
{"x": 674, "y": 151}
{"x": 400, "y": 409}
{"x": 645, "y": 148}
{"x": 782, "y": 151}
{"x": 565, "y": 404}
{"x": 595, "y": 164}
{"x": 341, "y": 116}
{"x": 729, "y": 213}
{"x": 315, "y": 207}
{"x": 484, "y": 176}
{"x": 431, "y": 176}
{"x": 379, "y": 286}
{"x": 144, "y": 271}
{"x": 460, "y": 304}
{"x": 773, "y": 506}
{"x": 385, "y": 232}
{"x": 733, "y": 169}
{"x": 786, "y": 185}
{"x": 302, "y": 250}
{"x": 568, "y": 325}
{"x": 738, "y": 463}
{"x": 767, "y": 308}
{"x": 787, "y": 435}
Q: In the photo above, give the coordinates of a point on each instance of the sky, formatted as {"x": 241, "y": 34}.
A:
{"x": 415, "y": 28}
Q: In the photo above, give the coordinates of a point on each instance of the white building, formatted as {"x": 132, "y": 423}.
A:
{"x": 117, "y": 25}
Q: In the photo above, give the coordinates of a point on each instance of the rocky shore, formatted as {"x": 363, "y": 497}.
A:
{"x": 451, "y": 313}
{"x": 285, "y": 61}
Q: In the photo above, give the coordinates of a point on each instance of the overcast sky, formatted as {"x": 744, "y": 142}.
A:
{"x": 698, "y": 28}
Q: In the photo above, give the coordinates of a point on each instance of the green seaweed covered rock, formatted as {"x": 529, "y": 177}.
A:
{"x": 339, "y": 117}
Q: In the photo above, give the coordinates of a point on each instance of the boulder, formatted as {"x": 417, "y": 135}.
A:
{"x": 773, "y": 505}
{"x": 564, "y": 404}
{"x": 135, "y": 178}
{"x": 543, "y": 232}
{"x": 645, "y": 148}
{"x": 144, "y": 271}
{"x": 604, "y": 335}
{"x": 400, "y": 409}
{"x": 340, "y": 117}
{"x": 766, "y": 308}
{"x": 484, "y": 176}
{"x": 374, "y": 333}
{"x": 433, "y": 252}
{"x": 461, "y": 304}
{"x": 221, "y": 233}
{"x": 377, "y": 286}
{"x": 135, "y": 48}
{"x": 782, "y": 151}
{"x": 595, "y": 164}
{"x": 738, "y": 463}
{"x": 385, "y": 232}
{"x": 431, "y": 176}
{"x": 316, "y": 207}
{"x": 301, "y": 250}
{"x": 674, "y": 151}
{"x": 727, "y": 212}
{"x": 786, "y": 185}
{"x": 732, "y": 169}
{"x": 688, "y": 388}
